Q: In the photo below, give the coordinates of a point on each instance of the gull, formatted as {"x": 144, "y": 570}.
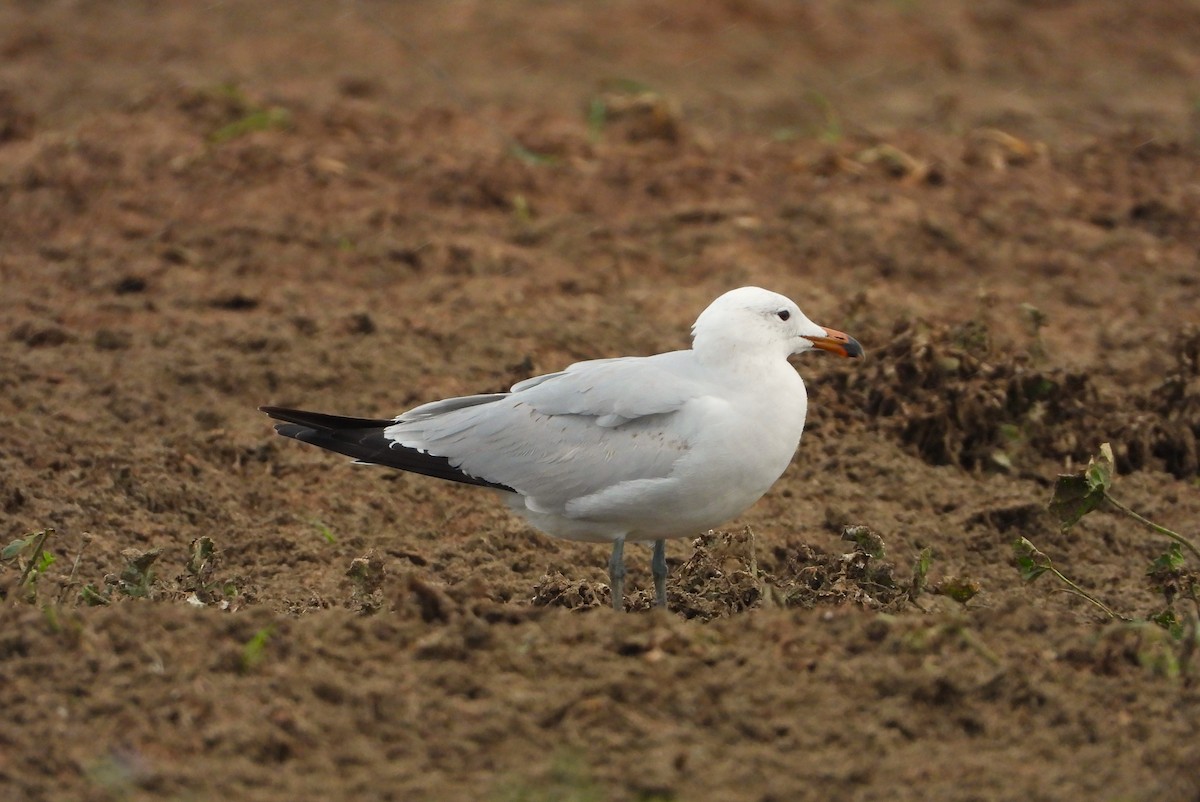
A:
{"x": 638, "y": 448}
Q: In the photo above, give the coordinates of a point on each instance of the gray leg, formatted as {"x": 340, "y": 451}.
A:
{"x": 658, "y": 567}
{"x": 616, "y": 573}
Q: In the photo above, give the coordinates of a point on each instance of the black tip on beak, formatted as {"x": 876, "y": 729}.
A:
{"x": 840, "y": 343}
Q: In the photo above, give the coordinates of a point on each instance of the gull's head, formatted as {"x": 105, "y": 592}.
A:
{"x": 751, "y": 322}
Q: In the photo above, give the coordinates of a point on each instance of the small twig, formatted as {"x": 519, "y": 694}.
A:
{"x": 74, "y": 567}
{"x": 763, "y": 596}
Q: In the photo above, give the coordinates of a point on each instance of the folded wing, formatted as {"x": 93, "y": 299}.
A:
{"x": 556, "y": 438}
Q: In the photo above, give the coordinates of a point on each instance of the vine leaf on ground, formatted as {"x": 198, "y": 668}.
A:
{"x": 1031, "y": 561}
{"x": 1077, "y": 494}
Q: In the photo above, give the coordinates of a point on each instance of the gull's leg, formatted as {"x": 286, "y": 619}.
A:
{"x": 616, "y": 573}
{"x": 658, "y": 567}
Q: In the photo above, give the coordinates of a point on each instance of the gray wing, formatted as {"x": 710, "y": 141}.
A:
{"x": 567, "y": 435}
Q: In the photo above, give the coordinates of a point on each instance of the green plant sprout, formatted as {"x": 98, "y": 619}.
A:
{"x": 1077, "y": 494}
{"x": 1032, "y": 563}
{"x": 201, "y": 568}
{"x": 529, "y": 157}
{"x": 567, "y": 780}
{"x": 136, "y": 579}
{"x": 201, "y": 562}
{"x": 255, "y": 649}
{"x": 597, "y": 118}
{"x": 38, "y": 560}
{"x": 831, "y": 133}
{"x": 254, "y": 117}
{"x": 920, "y": 574}
{"x": 324, "y": 531}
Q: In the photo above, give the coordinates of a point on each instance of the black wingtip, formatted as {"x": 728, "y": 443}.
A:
{"x": 364, "y": 440}
{"x": 324, "y": 422}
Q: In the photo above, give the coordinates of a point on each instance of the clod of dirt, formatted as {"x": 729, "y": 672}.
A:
{"x": 556, "y": 590}
{"x": 16, "y": 121}
{"x": 129, "y": 284}
{"x": 366, "y": 575}
{"x": 723, "y": 577}
{"x": 1000, "y": 150}
{"x": 37, "y": 335}
{"x": 433, "y": 603}
{"x": 357, "y": 86}
{"x": 235, "y": 303}
{"x": 639, "y": 116}
{"x": 960, "y": 589}
{"x": 111, "y": 340}
{"x": 948, "y": 395}
{"x": 811, "y": 577}
{"x": 360, "y": 323}
{"x": 1171, "y": 430}
{"x": 957, "y": 400}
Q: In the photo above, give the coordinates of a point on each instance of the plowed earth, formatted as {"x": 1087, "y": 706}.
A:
{"x": 357, "y": 207}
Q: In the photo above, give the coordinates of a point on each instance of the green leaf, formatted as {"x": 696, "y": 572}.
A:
{"x": 960, "y": 589}
{"x": 255, "y": 648}
{"x": 1170, "y": 622}
{"x": 1100, "y": 469}
{"x": 47, "y": 559}
{"x": 1077, "y": 494}
{"x": 137, "y": 577}
{"x": 1074, "y": 497}
{"x": 325, "y": 532}
{"x": 16, "y": 547}
{"x": 1031, "y": 562}
{"x": 256, "y": 120}
{"x": 1170, "y": 560}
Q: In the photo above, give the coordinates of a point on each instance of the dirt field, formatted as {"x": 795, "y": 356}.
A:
{"x": 356, "y": 207}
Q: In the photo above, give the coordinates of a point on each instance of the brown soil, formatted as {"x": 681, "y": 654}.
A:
{"x": 356, "y": 207}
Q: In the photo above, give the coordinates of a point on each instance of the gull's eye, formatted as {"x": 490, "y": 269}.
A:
{"x": 783, "y": 314}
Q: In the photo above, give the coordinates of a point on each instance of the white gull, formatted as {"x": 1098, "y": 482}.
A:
{"x": 610, "y": 450}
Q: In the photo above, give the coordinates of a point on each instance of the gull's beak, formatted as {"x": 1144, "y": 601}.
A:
{"x": 836, "y": 342}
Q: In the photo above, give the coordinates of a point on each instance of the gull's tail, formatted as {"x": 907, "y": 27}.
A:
{"x": 364, "y": 440}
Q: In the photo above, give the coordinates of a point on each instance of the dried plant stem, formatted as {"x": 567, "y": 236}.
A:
{"x": 1162, "y": 530}
{"x": 1075, "y": 590}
